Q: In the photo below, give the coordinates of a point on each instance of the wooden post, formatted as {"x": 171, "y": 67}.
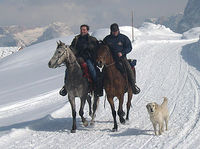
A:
{"x": 132, "y": 27}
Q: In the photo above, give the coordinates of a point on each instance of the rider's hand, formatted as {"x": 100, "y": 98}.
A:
{"x": 119, "y": 54}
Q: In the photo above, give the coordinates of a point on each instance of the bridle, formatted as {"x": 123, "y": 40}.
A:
{"x": 59, "y": 58}
{"x": 64, "y": 53}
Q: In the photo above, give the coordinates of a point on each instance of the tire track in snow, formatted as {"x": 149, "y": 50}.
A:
{"x": 144, "y": 94}
{"x": 157, "y": 74}
{"x": 192, "y": 123}
{"x": 178, "y": 93}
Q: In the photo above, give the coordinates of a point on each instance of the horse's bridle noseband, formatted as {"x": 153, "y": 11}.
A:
{"x": 59, "y": 58}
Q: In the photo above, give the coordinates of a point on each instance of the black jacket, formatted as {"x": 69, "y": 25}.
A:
{"x": 84, "y": 46}
{"x": 120, "y": 43}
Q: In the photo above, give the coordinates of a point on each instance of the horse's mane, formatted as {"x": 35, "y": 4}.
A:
{"x": 101, "y": 42}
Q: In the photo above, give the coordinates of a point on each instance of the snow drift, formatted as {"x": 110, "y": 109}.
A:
{"x": 33, "y": 115}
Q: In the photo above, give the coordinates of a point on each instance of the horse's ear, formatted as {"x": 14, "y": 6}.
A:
{"x": 57, "y": 42}
{"x": 61, "y": 43}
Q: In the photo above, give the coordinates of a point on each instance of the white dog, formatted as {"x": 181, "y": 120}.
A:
{"x": 158, "y": 114}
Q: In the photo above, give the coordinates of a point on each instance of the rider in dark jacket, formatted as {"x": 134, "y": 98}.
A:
{"x": 120, "y": 46}
{"x": 84, "y": 47}
{"x": 119, "y": 43}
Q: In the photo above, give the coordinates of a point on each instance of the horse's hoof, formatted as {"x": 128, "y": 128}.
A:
{"x": 122, "y": 121}
{"x": 85, "y": 123}
{"x": 114, "y": 130}
{"x": 73, "y": 131}
{"x": 90, "y": 114}
{"x": 123, "y": 113}
{"x": 92, "y": 123}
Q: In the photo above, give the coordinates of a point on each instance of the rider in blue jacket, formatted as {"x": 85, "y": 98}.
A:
{"x": 120, "y": 46}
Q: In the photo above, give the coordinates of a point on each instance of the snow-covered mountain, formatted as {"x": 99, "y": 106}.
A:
{"x": 33, "y": 115}
{"x": 5, "y": 51}
{"x": 181, "y": 22}
{"x": 191, "y": 17}
{"x": 21, "y": 37}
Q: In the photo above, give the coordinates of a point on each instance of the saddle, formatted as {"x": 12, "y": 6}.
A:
{"x": 96, "y": 87}
{"x": 132, "y": 62}
{"x": 86, "y": 73}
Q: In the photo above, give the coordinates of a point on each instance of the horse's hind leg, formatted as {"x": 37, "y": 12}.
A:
{"x": 110, "y": 100}
{"x": 96, "y": 100}
{"x": 120, "y": 110}
{"x": 128, "y": 105}
{"x": 85, "y": 122}
{"x": 73, "y": 107}
{"x": 90, "y": 105}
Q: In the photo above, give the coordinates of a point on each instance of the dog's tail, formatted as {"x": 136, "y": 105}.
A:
{"x": 165, "y": 101}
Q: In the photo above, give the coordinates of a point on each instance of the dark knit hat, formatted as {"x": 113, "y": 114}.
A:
{"x": 114, "y": 27}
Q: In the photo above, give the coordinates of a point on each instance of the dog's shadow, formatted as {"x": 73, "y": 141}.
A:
{"x": 133, "y": 132}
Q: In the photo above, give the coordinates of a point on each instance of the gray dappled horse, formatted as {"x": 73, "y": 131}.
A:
{"x": 77, "y": 85}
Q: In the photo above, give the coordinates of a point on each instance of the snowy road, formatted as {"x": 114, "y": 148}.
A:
{"x": 161, "y": 71}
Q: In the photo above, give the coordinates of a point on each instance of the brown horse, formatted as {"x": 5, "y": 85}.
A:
{"x": 114, "y": 83}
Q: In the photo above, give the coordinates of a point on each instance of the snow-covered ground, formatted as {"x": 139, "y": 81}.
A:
{"x": 5, "y": 51}
{"x": 33, "y": 115}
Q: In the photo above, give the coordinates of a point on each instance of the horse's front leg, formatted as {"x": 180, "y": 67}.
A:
{"x": 120, "y": 111}
{"x": 73, "y": 107}
{"x": 90, "y": 105}
{"x": 95, "y": 104}
{"x": 110, "y": 100}
{"x": 83, "y": 99}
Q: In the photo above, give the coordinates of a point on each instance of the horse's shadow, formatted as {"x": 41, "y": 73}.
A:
{"x": 50, "y": 124}
{"x": 46, "y": 123}
{"x": 133, "y": 132}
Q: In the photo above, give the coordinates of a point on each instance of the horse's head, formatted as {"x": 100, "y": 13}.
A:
{"x": 103, "y": 55}
{"x": 59, "y": 56}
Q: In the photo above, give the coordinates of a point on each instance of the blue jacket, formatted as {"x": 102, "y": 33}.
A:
{"x": 120, "y": 43}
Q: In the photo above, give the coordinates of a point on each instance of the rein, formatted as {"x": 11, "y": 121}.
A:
{"x": 109, "y": 64}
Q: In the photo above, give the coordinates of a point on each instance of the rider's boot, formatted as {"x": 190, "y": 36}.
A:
{"x": 63, "y": 91}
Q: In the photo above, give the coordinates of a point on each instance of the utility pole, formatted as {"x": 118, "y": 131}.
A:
{"x": 132, "y": 27}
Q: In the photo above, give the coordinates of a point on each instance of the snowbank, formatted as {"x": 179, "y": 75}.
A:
{"x": 157, "y": 32}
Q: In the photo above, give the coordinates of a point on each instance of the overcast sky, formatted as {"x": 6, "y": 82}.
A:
{"x": 96, "y": 13}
